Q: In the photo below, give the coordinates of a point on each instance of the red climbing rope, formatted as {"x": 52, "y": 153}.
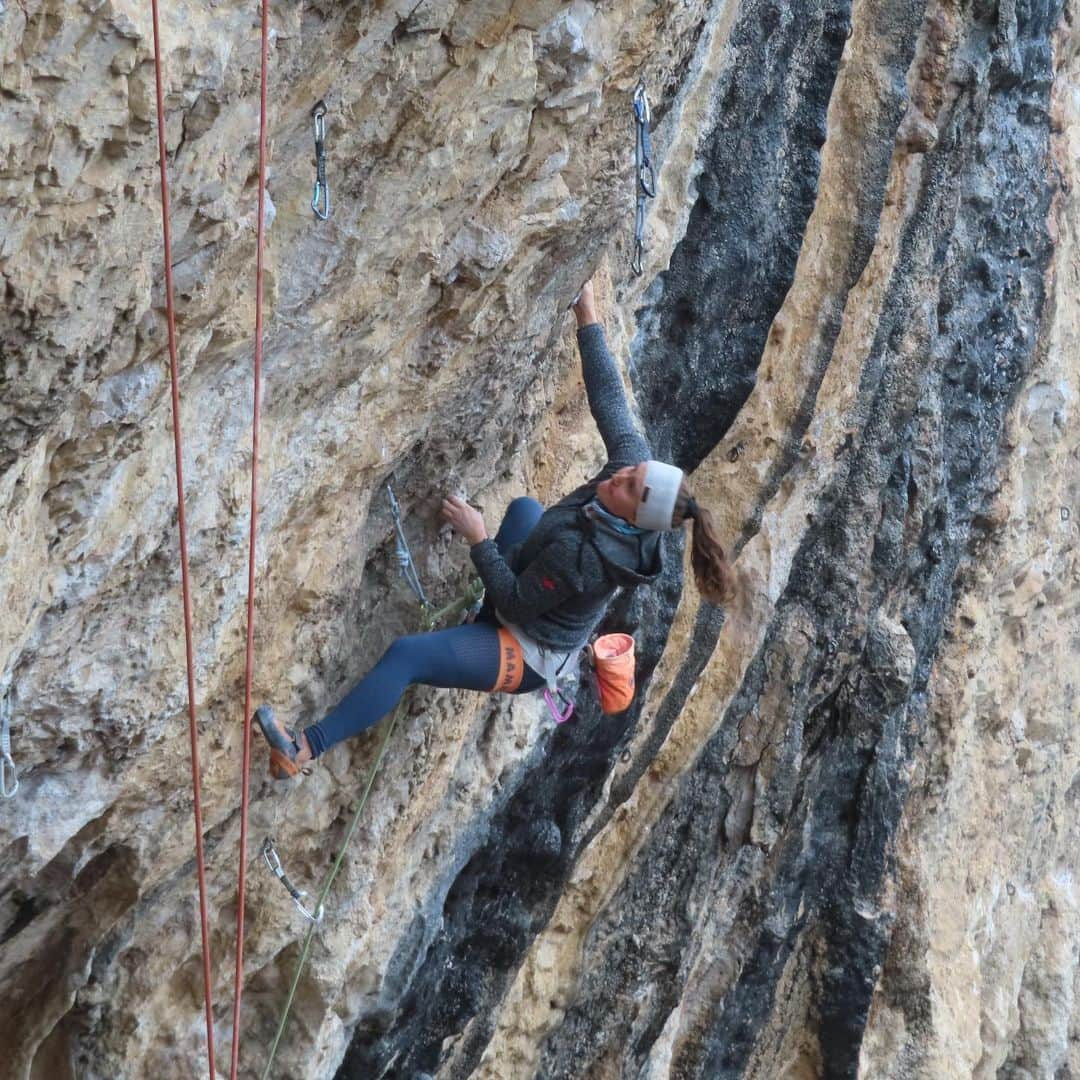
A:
{"x": 249, "y": 661}
{"x": 174, "y": 368}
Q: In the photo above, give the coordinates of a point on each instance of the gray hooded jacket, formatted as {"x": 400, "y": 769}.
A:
{"x": 558, "y": 583}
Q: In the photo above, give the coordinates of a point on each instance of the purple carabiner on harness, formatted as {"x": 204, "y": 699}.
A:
{"x": 560, "y": 718}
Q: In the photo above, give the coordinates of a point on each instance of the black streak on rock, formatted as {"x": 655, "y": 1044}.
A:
{"x": 906, "y": 500}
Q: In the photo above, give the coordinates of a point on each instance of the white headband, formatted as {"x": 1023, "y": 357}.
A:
{"x": 658, "y": 496}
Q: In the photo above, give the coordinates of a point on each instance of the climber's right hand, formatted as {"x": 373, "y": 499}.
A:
{"x": 585, "y": 306}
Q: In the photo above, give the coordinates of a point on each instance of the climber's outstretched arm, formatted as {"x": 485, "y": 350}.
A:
{"x": 603, "y": 385}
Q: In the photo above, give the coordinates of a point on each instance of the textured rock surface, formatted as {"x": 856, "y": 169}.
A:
{"x": 837, "y": 835}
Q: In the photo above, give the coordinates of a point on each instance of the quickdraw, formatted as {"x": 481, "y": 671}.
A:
{"x": 9, "y": 777}
{"x": 320, "y": 198}
{"x": 273, "y": 861}
{"x": 404, "y": 556}
{"x": 645, "y": 178}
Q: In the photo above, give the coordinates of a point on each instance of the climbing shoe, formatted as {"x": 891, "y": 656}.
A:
{"x": 284, "y": 745}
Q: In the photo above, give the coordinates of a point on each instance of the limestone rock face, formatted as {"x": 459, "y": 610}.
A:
{"x": 837, "y": 833}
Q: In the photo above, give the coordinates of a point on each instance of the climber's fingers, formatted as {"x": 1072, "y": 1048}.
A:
{"x": 464, "y": 519}
{"x": 583, "y": 302}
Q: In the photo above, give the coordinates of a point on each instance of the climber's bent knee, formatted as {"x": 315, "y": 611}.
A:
{"x": 523, "y": 504}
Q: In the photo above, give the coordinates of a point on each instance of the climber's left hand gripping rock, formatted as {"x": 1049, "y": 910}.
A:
{"x": 464, "y": 520}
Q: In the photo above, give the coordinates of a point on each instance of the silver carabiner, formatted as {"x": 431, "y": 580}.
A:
{"x": 642, "y": 110}
{"x": 320, "y": 198}
{"x": 646, "y": 176}
{"x": 273, "y": 862}
{"x": 9, "y": 777}
{"x": 404, "y": 555}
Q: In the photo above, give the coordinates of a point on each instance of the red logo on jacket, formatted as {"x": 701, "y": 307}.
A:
{"x": 549, "y": 583}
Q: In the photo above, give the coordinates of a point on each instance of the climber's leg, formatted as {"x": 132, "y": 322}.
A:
{"x": 520, "y": 520}
{"x": 463, "y": 657}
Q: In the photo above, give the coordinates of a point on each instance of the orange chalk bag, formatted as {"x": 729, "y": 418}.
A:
{"x": 612, "y": 659}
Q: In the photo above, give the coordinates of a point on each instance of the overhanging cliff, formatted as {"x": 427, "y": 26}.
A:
{"x": 837, "y": 833}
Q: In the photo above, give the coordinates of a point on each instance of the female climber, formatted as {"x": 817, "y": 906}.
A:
{"x": 548, "y": 574}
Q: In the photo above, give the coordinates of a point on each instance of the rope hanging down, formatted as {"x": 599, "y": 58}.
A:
{"x": 9, "y": 777}
{"x": 645, "y": 179}
{"x": 249, "y": 657}
{"x": 185, "y": 576}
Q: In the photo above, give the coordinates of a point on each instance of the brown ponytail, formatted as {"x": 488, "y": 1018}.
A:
{"x": 714, "y": 574}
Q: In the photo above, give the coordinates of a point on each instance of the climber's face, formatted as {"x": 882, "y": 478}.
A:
{"x": 621, "y": 493}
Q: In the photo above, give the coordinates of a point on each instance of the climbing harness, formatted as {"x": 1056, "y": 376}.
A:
{"x": 611, "y": 665}
{"x": 320, "y": 198}
{"x": 273, "y": 860}
{"x": 404, "y": 555}
{"x": 645, "y": 180}
{"x": 249, "y": 654}
{"x": 9, "y": 778}
{"x": 185, "y": 576}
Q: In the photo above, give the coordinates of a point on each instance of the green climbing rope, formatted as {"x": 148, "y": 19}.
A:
{"x": 429, "y": 619}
